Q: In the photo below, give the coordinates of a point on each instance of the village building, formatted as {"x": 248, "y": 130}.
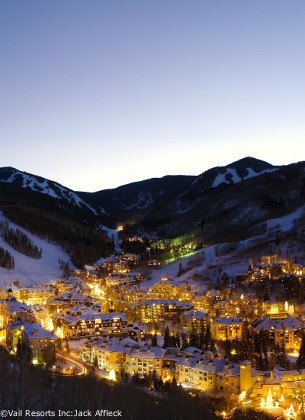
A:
{"x": 281, "y": 328}
{"x": 41, "y": 342}
{"x": 38, "y": 342}
{"x": 108, "y": 353}
{"x": 145, "y": 360}
{"x": 14, "y": 310}
{"x": 208, "y": 374}
{"x": 159, "y": 310}
{"x": 227, "y": 328}
{"x": 194, "y": 321}
{"x": 67, "y": 299}
{"x": 168, "y": 289}
{"x": 90, "y": 324}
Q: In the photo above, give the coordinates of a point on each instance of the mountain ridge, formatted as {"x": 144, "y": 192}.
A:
{"x": 37, "y": 183}
{"x": 138, "y": 190}
{"x": 42, "y": 185}
{"x": 225, "y": 203}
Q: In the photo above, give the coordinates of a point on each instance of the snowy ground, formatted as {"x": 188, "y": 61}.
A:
{"x": 29, "y": 271}
{"x": 285, "y": 223}
{"x": 195, "y": 265}
{"x": 114, "y": 236}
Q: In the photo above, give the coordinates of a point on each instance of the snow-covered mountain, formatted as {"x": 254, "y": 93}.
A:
{"x": 221, "y": 204}
{"x": 142, "y": 196}
{"x": 232, "y": 173}
{"x": 43, "y": 186}
{"x": 241, "y": 200}
{"x": 54, "y": 213}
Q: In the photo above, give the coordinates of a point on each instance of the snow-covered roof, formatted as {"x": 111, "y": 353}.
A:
{"x": 195, "y": 314}
{"x": 227, "y": 320}
{"x": 90, "y": 316}
{"x": 278, "y": 322}
{"x": 210, "y": 365}
{"x": 111, "y": 344}
{"x": 148, "y": 353}
{"x": 14, "y": 306}
{"x": 178, "y": 303}
{"x": 35, "y": 330}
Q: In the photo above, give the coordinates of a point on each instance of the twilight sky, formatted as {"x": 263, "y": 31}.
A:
{"x": 96, "y": 94}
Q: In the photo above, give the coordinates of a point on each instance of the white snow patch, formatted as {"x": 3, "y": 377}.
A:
{"x": 182, "y": 211}
{"x": 102, "y": 210}
{"x": 201, "y": 260}
{"x": 221, "y": 178}
{"x": 252, "y": 173}
{"x": 114, "y": 236}
{"x": 285, "y": 223}
{"x": 247, "y": 214}
{"x": 143, "y": 201}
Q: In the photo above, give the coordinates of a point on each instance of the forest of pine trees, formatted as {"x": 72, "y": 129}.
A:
{"x": 84, "y": 245}
{"x": 6, "y": 259}
{"x": 202, "y": 341}
{"x": 19, "y": 241}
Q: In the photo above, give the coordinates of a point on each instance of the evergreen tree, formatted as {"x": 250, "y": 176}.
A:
{"x": 66, "y": 270}
{"x": 121, "y": 375}
{"x": 202, "y": 337}
{"x": 154, "y": 341}
{"x": 272, "y": 359}
{"x": 194, "y": 339}
{"x": 246, "y": 344}
{"x": 166, "y": 338}
{"x": 156, "y": 380}
{"x": 28, "y": 354}
{"x": 301, "y": 359}
{"x": 95, "y": 362}
{"x": 227, "y": 347}
{"x": 24, "y": 351}
{"x": 19, "y": 348}
{"x": 282, "y": 358}
{"x": 183, "y": 341}
{"x": 67, "y": 346}
{"x": 210, "y": 344}
{"x": 59, "y": 344}
{"x": 180, "y": 270}
{"x": 50, "y": 355}
{"x": 135, "y": 379}
{"x": 6, "y": 259}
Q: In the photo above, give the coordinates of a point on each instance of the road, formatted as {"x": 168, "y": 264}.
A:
{"x": 82, "y": 367}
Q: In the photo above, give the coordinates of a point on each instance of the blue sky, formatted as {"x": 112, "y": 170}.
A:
{"x": 96, "y": 94}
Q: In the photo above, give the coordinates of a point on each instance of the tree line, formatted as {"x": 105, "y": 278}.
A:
{"x": 19, "y": 241}
{"x": 201, "y": 340}
{"x": 84, "y": 244}
{"x": 6, "y": 259}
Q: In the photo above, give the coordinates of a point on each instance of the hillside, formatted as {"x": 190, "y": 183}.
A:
{"x": 210, "y": 212}
{"x": 223, "y": 204}
{"x": 54, "y": 214}
{"x": 136, "y": 197}
{"x": 31, "y": 271}
{"x": 36, "y": 183}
